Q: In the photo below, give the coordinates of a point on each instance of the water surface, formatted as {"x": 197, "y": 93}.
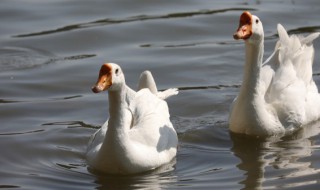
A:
{"x": 50, "y": 54}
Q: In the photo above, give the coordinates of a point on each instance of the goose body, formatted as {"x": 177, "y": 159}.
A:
{"x": 279, "y": 96}
{"x": 138, "y": 136}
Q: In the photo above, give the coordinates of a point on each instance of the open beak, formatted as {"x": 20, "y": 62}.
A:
{"x": 245, "y": 27}
{"x": 105, "y": 79}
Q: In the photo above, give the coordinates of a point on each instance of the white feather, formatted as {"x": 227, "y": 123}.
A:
{"x": 278, "y": 96}
{"x": 138, "y": 135}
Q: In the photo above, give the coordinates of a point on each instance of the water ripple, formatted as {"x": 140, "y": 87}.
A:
{"x": 8, "y": 101}
{"x": 219, "y": 87}
{"x": 22, "y": 133}
{"x": 14, "y": 58}
{"x": 109, "y": 21}
{"x": 189, "y": 44}
{"x": 308, "y": 29}
{"x": 9, "y": 186}
{"x": 72, "y": 124}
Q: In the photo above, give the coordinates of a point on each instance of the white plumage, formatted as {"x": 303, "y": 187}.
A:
{"x": 138, "y": 135}
{"x": 279, "y": 96}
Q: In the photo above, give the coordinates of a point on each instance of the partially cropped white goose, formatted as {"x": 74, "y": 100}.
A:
{"x": 278, "y": 96}
{"x": 138, "y": 136}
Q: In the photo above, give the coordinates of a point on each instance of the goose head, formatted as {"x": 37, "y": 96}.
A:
{"x": 110, "y": 78}
{"x": 250, "y": 28}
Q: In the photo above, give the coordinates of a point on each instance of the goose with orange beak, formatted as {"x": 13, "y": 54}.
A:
{"x": 138, "y": 136}
{"x": 278, "y": 96}
{"x": 245, "y": 27}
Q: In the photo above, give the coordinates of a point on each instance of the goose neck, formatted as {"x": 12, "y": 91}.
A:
{"x": 253, "y": 63}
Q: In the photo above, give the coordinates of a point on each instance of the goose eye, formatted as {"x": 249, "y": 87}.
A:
{"x": 117, "y": 71}
{"x": 257, "y": 21}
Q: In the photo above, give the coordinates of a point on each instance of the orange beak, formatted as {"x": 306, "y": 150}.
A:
{"x": 245, "y": 27}
{"x": 105, "y": 79}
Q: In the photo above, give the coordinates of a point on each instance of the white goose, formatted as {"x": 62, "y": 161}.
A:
{"x": 279, "y": 96}
{"x": 138, "y": 135}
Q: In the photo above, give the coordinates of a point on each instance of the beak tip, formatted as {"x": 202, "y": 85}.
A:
{"x": 96, "y": 89}
{"x": 236, "y": 36}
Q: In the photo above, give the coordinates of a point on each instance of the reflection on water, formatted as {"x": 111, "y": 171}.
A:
{"x": 261, "y": 158}
{"x": 157, "y": 179}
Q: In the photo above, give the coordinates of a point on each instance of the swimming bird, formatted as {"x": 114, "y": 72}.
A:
{"x": 138, "y": 136}
{"x": 279, "y": 96}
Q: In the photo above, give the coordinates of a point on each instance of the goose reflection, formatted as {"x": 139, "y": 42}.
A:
{"x": 155, "y": 179}
{"x": 265, "y": 161}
